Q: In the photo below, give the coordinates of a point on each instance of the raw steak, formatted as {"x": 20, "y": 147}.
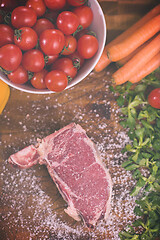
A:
{"x": 76, "y": 168}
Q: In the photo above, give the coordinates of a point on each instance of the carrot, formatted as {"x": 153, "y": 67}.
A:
{"x": 124, "y": 60}
{"x": 125, "y": 73}
{"x": 152, "y": 65}
{"x": 104, "y": 60}
{"x": 140, "y": 36}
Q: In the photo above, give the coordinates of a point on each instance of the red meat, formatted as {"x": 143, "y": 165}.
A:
{"x": 76, "y": 168}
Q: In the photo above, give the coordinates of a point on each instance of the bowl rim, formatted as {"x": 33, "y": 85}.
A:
{"x": 4, "y": 78}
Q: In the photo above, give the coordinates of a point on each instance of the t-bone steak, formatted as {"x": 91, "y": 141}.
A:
{"x": 75, "y": 166}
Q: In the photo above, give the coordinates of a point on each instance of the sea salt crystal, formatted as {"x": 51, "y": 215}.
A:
{"x": 24, "y": 128}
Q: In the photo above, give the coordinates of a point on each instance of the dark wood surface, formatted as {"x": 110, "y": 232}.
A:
{"x": 30, "y": 205}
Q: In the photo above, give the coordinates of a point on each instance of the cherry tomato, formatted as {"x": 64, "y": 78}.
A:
{"x": 55, "y": 4}
{"x": 10, "y": 57}
{"x": 38, "y": 6}
{"x": 52, "y": 41}
{"x": 19, "y": 76}
{"x": 23, "y": 17}
{"x": 8, "y": 5}
{"x": 70, "y": 45}
{"x": 77, "y": 59}
{"x": 42, "y": 24}
{"x": 6, "y": 34}
{"x": 49, "y": 59}
{"x": 85, "y": 15}
{"x": 67, "y": 22}
{"x": 56, "y": 80}
{"x": 76, "y": 3}
{"x": 33, "y": 60}
{"x": 25, "y": 38}
{"x": 38, "y": 81}
{"x": 154, "y": 98}
{"x": 87, "y": 46}
{"x": 65, "y": 65}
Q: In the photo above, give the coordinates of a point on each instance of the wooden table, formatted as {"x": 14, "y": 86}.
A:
{"x": 30, "y": 205}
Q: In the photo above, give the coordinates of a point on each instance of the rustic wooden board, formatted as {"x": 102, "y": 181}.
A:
{"x": 30, "y": 205}
{"x": 30, "y": 195}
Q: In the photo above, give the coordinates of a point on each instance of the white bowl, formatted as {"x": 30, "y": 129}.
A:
{"x": 99, "y": 27}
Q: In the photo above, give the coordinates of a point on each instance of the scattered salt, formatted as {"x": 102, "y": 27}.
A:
{"x": 23, "y": 191}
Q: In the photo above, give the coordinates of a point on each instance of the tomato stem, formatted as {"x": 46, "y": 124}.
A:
{"x": 7, "y": 18}
{"x": 79, "y": 28}
{"x": 46, "y": 59}
{"x": 69, "y": 78}
{"x": 83, "y": 1}
{"x": 18, "y": 34}
{"x": 5, "y": 71}
{"x": 65, "y": 47}
{"x": 76, "y": 62}
{"x": 30, "y": 75}
{"x": 91, "y": 33}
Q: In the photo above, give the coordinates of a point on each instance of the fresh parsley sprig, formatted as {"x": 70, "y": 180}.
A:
{"x": 142, "y": 123}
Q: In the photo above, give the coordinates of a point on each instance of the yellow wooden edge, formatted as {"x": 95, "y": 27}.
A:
{"x": 4, "y": 95}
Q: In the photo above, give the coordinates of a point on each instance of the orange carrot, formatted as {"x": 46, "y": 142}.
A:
{"x": 140, "y": 36}
{"x": 124, "y": 60}
{"x": 125, "y": 73}
{"x": 104, "y": 60}
{"x": 152, "y": 65}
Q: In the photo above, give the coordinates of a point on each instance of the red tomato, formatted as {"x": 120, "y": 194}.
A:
{"x": 23, "y": 17}
{"x": 55, "y": 4}
{"x": 8, "y": 5}
{"x": 25, "y": 38}
{"x": 56, "y": 81}
{"x": 38, "y": 81}
{"x": 10, "y": 57}
{"x": 65, "y": 65}
{"x": 67, "y": 22}
{"x": 70, "y": 45}
{"x": 50, "y": 59}
{"x": 87, "y": 46}
{"x": 76, "y": 3}
{"x": 33, "y": 60}
{"x": 154, "y": 98}
{"x": 19, "y": 76}
{"x": 6, "y": 34}
{"x": 85, "y": 15}
{"x": 52, "y": 41}
{"x": 76, "y": 59}
{"x": 38, "y": 6}
{"x": 42, "y": 24}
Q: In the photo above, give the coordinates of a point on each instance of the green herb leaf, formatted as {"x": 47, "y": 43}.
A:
{"x": 143, "y": 126}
